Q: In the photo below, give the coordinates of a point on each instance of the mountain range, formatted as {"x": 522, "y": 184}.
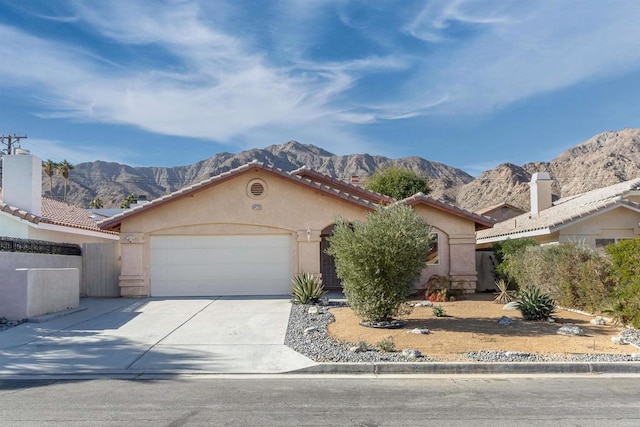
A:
{"x": 602, "y": 160}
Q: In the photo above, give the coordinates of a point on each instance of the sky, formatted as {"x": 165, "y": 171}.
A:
{"x": 471, "y": 84}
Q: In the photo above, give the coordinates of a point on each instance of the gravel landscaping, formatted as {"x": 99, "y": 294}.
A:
{"x": 307, "y": 334}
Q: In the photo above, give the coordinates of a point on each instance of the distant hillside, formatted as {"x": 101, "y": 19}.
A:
{"x": 605, "y": 159}
{"x": 113, "y": 181}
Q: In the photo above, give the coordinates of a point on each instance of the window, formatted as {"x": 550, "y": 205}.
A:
{"x": 601, "y": 243}
{"x": 433, "y": 258}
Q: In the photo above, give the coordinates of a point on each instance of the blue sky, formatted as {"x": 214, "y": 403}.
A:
{"x": 468, "y": 83}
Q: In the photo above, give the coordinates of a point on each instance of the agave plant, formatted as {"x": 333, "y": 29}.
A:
{"x": 306, "y": 289}
{"x": 505, "y": 294}
{"x": 535, "y": 305}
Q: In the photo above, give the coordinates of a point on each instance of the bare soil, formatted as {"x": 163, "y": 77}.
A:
{"x": 471, "y": 324}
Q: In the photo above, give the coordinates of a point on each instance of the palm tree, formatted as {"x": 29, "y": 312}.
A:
{"x": 96, "y": 203}
{"x": 49, "y": 168}
{"x": 128, "y": 201}
{"x": 63, "y": 168}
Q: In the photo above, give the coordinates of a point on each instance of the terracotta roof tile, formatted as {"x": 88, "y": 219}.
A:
{"x": 57, "y": 213}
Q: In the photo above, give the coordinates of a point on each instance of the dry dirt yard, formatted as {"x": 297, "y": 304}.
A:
{"x": 471, "y": 324}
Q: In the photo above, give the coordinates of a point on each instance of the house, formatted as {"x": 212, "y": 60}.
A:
{"x": 501, "y": 211}
{"x": 25, "y": 214}
{"x": 595, "y": 218}
{"x": 248, "y": 231}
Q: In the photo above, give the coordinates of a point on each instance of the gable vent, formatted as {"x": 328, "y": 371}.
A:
{"x": 257, "y": 189}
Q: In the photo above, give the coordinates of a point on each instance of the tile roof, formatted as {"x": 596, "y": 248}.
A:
{"x": 314, "y": 175}
{"x": 57, "y": 213}
{"x": 114, "y": 221}
{"x": 481, "y": 221}
{"x": 565, "y": 211}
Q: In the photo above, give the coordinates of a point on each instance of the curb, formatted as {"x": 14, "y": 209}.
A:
{"x": 51, "y": 316}
{"x": 474, "y": 368}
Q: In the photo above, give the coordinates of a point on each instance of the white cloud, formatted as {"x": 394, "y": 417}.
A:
{"x": 524, "y": 49}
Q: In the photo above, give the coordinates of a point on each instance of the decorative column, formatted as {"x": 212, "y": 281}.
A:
{"x": 462, "y": 252}
{"x": 309, "y": 252}
{"x": 132, "y": 283}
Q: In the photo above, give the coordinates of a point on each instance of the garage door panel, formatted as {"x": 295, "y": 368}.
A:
{"x": 220, "y": 265}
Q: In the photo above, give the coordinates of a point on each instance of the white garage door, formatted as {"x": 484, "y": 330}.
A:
{"x": 220, "y": 265}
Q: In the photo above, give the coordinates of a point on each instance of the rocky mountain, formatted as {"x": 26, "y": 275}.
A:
{"x": 605, "y": 159}
{"x": 113, "y": 181}
{"x": 602, "y": 160}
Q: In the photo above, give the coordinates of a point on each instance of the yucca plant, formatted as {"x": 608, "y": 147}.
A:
{"x": 535, "y": 305}
{"x": 505, "y": 294}
{"x": 306, "y": 289}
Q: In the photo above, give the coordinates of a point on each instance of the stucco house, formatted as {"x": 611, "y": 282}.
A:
{"x": 595, "y": 218}
{"x": 248, "y": 231}
{"x": 25, "y": 214}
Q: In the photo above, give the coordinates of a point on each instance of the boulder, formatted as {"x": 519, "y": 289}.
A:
{"x": 419, "y": 331}
{"x": 597, "y": 321}
{"x": 504, "y": 320}
{"x": 411, "y": 353}
{"x": 510, "y": 306}
{"x": 570, "y": 330}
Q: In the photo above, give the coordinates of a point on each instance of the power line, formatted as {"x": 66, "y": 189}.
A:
{"x": 10, "y": 141}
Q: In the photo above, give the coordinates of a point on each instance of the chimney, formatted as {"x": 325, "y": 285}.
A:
{"x": 540, "y": 186}
{"x": 22, "y": 182}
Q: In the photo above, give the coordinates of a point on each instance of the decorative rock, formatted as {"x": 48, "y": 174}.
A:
{"x": 570, "y": 330}
{"x": 510, "y": 306}
{"x": 423, "y": 304}
{"x": 516, "y": 354}
{"x": 618, "y": 340}
{"x": 311, "y": 330}
{"x": 635, "y": 356}
{"x": 313, "y": 310}
{"x": 411, "y": 353}
{"x": 419, "y": 331}
{"x": 504, "y": 320}
{"x": 597, "y": 321}
{"x": 384, "y": 324}
{"x": 551, "y": 320}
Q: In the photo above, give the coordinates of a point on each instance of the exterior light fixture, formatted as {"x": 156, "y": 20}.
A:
{"x": 308, "y": 234}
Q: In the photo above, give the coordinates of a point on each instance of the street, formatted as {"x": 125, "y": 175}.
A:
{"x": 322, "y": 400}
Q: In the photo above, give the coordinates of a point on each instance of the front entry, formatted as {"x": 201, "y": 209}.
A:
{"x": 330, "y": 279}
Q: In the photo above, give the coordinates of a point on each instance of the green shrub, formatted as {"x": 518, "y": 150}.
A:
{"x": 625, "y": 298}
{"x": 380, "y": 259}
{"x": 306, "y": 289}
{"x": 438, "y": 311}
{"x": 535, "y": 305}
{"x": 397, "y": 182}
{"x": 574, "y": 276}
{"x": 386, "y": 345}
{"x": 505, "y": 251}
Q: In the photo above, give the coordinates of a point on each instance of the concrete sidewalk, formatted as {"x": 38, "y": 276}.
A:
{"x": 154, "y": 335}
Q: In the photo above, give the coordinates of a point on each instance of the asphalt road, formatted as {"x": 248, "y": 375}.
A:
{"x": 324, "y": 401}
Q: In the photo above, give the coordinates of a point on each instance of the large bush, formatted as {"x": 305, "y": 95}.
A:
{"x": 506, "y": 250}
{"x": 380, "y": 259}
{"x": 398, "y": 182}
{"x": 625, "y": 259}
{"x": 573, "y": 275}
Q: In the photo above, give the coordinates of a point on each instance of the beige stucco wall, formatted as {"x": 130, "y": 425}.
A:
{"x": 287, "y": 208}
{"x": 226, "y": 209}
{"x": 12, "y": 226}
{"x": 457, "y": 248}
{"x": 619, "y": 223}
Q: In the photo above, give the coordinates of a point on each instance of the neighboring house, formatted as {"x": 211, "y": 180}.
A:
{"x": 595, "y": 218}
{"x": 24, "y": 213}
{"x": 501, "y": 211}
{"x": 248, "y": 231}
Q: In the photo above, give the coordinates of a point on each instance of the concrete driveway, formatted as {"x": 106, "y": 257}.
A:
{"x": 156, "y": 335}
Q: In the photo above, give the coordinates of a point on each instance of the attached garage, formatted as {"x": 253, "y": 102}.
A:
{"x": 220, "y": 265}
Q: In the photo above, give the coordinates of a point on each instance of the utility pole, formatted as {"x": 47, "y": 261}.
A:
{"x": 10, "y": 141}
